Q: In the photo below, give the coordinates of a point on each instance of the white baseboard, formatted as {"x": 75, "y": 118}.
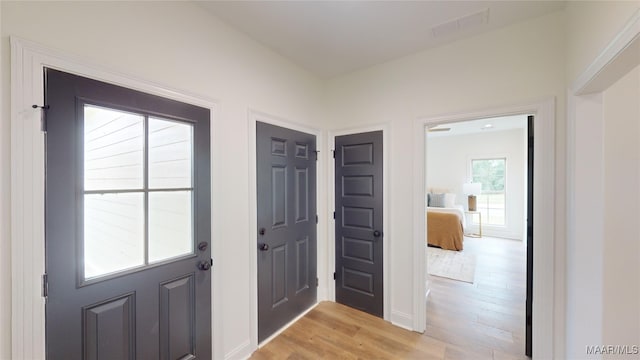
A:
{"x": 402, "y": 320}
{"x": 241, "y": 352}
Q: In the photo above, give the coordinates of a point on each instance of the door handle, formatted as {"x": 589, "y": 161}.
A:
{"x": 376, "y": 233}
{"x": 204, "y": 265}
{"x": 264, "y": 247}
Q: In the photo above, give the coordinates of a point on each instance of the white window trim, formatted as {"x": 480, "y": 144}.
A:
{"x": 506, "y": 185}
{"x": 28, "y": 59}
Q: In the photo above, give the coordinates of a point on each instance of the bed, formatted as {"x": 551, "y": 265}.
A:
{"x": 444, "y": 230}
{"x": 458, "y": 210}
{"x": 445, "y": 226}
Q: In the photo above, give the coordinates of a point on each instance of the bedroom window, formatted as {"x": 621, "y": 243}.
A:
{"x": 491, "y": 173}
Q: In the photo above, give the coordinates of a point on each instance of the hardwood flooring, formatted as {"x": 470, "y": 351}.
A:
{"x": 483, "y": 320}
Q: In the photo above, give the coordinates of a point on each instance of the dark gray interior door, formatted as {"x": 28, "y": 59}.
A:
{"x": 127, "y": 223}
{"x": 286, "y": 244}
{"x": 358, "y": 221}
{"x": 529, "y": 305}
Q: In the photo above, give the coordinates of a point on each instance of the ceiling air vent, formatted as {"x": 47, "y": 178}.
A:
{"x": 467, "y": 22}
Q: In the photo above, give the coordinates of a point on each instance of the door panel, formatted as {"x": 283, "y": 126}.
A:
{"x": 286, "y": 244}
{"x": 177, "y": 318}
{"x": 109, "y": 329}
{"x": 302, "y": 262}
{"x": 127, "y": 200}
{"x": 358, "y": 221}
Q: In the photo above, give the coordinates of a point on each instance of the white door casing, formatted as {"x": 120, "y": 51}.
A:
{"x": 28, "y": 60}
{"x": 544, "y": 308}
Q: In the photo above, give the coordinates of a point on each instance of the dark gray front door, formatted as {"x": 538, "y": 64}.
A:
{"x": 127, "y": 224}
{"x": 286, "y": 244}
{"x": 358, "y": 221}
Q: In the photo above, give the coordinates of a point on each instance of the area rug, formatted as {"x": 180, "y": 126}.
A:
{"x": 456, "y": 265}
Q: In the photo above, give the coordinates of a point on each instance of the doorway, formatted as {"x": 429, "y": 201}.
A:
{"x": 486, "y": 165}
{"x": 546, "y": 269}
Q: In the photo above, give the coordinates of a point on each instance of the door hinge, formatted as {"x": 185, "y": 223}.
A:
{"x": 316, "y": 152}
{"x": 334, "y": 276}
{"x": 316, "y": 219}
{"x": 334, "y": 153}
{"x": 211, "y": 262}
{"x": 43, "y": 116}
{"x": 317, "y": 282}
{"x": 45, "y": 285}
{"x": 334, "y": 215}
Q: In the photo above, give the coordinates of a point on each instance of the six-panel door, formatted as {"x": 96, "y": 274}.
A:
{"x": 286, "y": 243}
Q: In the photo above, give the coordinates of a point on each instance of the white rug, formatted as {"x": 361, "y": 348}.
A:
{"x": 456, "y": 265}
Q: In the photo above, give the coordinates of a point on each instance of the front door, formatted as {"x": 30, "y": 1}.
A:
{"x": 127, "y": 223}
{"x": 287, "y": 222}
{"x": 358, "y": 221}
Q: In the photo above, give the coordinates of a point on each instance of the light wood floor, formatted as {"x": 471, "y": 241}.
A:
{"x": 483, "y": 320}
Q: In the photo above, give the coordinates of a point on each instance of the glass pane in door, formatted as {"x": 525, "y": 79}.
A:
{"x": 113, "y": 149}
{"x": 113, "y": 233}
{"x": 170, "y": 154}
{"x": 170, "y": 225}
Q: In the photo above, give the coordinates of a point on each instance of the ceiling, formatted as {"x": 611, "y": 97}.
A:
{"x": 487, "y": 125}
{"x": 332, "y": 38}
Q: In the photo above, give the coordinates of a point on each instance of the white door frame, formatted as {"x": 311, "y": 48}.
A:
{"x": 397, "y": 319}
{"x": 253, "y": 117}
{"x": 28, "y": 59}
{"x": 544, "y": 214}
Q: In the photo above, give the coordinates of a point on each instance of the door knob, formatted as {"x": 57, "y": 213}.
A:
{"x": 264, "y": 247}
{"x": 204, "y": 265}
{"x": 376, "y": 233}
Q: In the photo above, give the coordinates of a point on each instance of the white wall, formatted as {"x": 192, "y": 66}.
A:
{"x": 448, "y": 167}
{"x": 179, "y": 45}
{"x": 591, "y": 26}
{"x": 621, "y": 256}
{"x": 519, "y": 64}
{"x": 5, "y": 204}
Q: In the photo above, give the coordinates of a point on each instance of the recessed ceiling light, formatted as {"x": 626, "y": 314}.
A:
{"x": 487, "y": 126}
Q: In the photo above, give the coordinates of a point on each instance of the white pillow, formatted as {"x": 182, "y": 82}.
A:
{"x": 449, "y": 200}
